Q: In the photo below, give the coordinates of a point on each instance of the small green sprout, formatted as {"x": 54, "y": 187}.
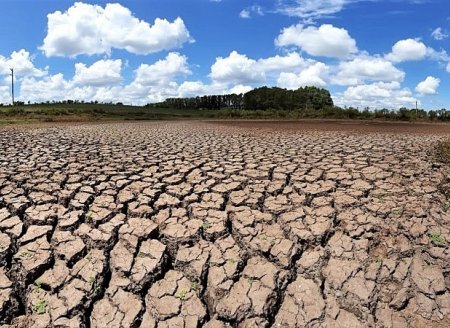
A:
{"x": 251, "y": 280}
{"x": 379, "y": 261}
{"x": 194, "y": 285}
{"x": 26, "y": 254}
{"x": 95, "y": 286}
{"x": 437, "y": 239}
{"x": 232, "y": 261}
{"x": 182, "y": 294}
{"x": 37, "y": 286}
{"x": 89, "y": 216}
{"x": 206, "y": 225}
{"x": 40, "y": 307}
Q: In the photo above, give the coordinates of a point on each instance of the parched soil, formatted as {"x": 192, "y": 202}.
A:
{"x": 362, "y": 126}
{"x": 190, "y": 224}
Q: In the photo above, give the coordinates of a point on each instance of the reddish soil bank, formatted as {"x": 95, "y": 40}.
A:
{"x": 342, "y": 125}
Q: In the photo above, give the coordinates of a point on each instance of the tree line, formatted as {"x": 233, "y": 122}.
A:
{"x": 264, "y": 98}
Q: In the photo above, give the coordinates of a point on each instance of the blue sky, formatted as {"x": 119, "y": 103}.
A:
{"x": 377, "y": 53}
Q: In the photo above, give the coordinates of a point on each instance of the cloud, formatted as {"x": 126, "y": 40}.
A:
{"x": 5, "y": 95}
{"x": 326, "y": 40}
{"x": 100, "y": 81}
{"x": 407, "y": 50}
{"x": 238, "y": 89}
{"x": 251, "y": 11}
{"x": 245, "y": 13}
{"x": 367, "y": 68}
{"x": 102, "y": 72}
{"x": 291, "y": 62}
{"x": 428, "y": 86}
{"x": 236, "y": 73}
{"x": 240, "y": 69}
{"x": 22, "y": 63}
{"x": 53, "y": 87}
{"x": 193, "y": 89}
{"x": 163, "y": 70}
{"x": 237, "y": 69}
{"x": 313, "y": 75}
{"x": 91, "y": 29}
{"x": 376, "y": 95}
{"x": 439, "y": 34}
{"x": 310, "y": 8}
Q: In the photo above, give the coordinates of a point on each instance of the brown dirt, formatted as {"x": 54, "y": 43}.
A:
{"x": 223, "y": 224}
{"x": 342, "y": 126}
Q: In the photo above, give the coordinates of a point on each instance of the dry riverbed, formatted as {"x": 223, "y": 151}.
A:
{"x": 235, "y": 224}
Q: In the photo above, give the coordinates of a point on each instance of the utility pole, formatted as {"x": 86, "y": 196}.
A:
{"x": 12, "y": 85}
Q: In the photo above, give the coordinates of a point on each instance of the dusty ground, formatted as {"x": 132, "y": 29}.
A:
{"x": 191, "y": 224}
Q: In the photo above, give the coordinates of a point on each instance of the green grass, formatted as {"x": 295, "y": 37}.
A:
{"x": 206, "y": 225}
{"x": 437, "y": 239}
{"x": 40, "y": 307}
{"x": 379, "y": 261}
{"x": 97, "y": 112}
{"x": 182, "y": 294}
{"x": 95, "y": 286}
{"x": 232, "y": 261}
{"x": 26, "y": 254}
{"x": 37, "y": 286}
{"x": 82, "y": 112}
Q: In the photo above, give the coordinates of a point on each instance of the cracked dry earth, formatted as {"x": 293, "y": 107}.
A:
{"x": 190, "y": 224}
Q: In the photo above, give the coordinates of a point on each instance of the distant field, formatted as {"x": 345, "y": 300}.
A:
{"x": 103, "y": 112}
{"x": 92, "y": 112}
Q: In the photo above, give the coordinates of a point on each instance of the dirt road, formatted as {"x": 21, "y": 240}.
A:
{"x": 223, "y": 224}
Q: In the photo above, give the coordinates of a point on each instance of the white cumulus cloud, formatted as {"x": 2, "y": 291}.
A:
{"x": 240, "y": 69}
{"x": 315, "y": 75}
{"x": 5, "y": 95}
{"x": 376, "y": 95}
{"x": 53, "y": 87}
{"x": 22, "y": 64}
{"x": 290, "y": 62}
{"x": 367, "y": 68}
{"x": 102, "y": 72}
{"x": 428, "y": 86}
{"x": 407, "y": 50}
{"x": 163, "y": 71}
{"x": 237, "y": 69}
{"x": 326, "y": 40}
{"x": 91, "y": 29}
